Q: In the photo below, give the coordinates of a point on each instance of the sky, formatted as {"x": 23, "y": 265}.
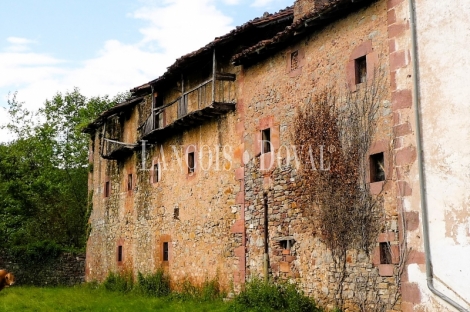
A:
{"x": 104, "y": 47}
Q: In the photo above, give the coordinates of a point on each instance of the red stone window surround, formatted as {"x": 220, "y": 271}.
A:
{"x": 386, "y": 254}
{"x": 106, "y": 188}
{"x": 295, "y": 61}
{"x": 361, "y": 65}
{"x": 165, "y": 250}
{"x": 120, "y": 252}
{"x": 379, "y": 169}
{"x": 267, "y": 130}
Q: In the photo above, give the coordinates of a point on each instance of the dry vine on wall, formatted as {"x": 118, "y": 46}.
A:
{"x": 333, "y": 137}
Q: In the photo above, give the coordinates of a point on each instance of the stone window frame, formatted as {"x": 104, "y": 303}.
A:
{"x": 386, "y": 269}
{"x": 300, "y": 59}
{"x": 191, "y": 148}
{"x": 363, "y": 49}
{"x": 107, "y": 187}
{"x": 152, "y": 172}
{"x": 266, "y": 159}
{"x": 120, "y": 249}
{"x": 377, "y": 147}
{"x": 129, "y": 172}
{"x": 165, "y": 238}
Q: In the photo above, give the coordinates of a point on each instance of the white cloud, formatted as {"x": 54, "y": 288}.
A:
{"x": 19, "y": 40}
{"x": 231, "y": 2}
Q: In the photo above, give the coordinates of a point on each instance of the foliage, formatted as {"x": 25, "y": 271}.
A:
{"x": 93, "y": 298}
{"x": 209, "y": 290}
{"x": 120, "y": 282}
{"x": 155, "y": 285}
{"x": 259, "y": 295}
{"x": 43, "y": 175}
{"x": 342, "y": 126}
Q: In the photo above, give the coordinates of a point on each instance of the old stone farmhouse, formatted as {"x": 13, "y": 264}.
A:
{"x": 197, "y": 172}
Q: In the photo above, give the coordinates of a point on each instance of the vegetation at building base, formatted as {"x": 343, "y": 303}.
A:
{"x": 43, "y": 178}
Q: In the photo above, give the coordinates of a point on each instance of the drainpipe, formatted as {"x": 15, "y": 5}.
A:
{"x": 422, "y": 182}
{"x": 266, "y": 247}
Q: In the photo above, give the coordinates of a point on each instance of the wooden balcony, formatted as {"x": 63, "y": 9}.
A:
{"x": 112, "y": 149}
{"x": 196, "y": 106}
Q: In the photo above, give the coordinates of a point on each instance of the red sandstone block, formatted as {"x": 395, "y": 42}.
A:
{"x": 393, "y": 3}
{"x": 290, "y": 258}
{"x": 391, "y": 17}
{"x": 410, "y": 293}
{"x": 401, "y": 99}
{"x": 386, "y": 237}
{"x": 392, "y": 47}
{"x": 417, "y": 257}
{"x": 397, "y": 30}
{"x": 376, "y": 256}
{"x": 361, "y": 50}
{"x": 240, "y": 198}
{"x": 395, "y": 251}
{"x": 239, "y": 251}
{"x": 407, "y": 307}
{"x": 284, "y": 267}
{"x": 386, "y": 269}
{"x": 238, "y": 226}
{"x": 405, "y": 156}
{"x": 376, "y": 187}
{"x": 402, "y": 130}
{"x": 397, "y": 60}
{"x": 412, "y": 220}
{"x": 404, "y": 188}
{"x": 240, "y": 173}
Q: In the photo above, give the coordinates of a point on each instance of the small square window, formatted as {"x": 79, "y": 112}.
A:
{"x": 165, "y": 251}
{"x": 156, "y": 173}
{"x": 191, "y": 162}
{"x": 119, "y": 254}
{"x": 107, "y": 188}
{"x": 294, "y": 60}
{"x": 385, "y": 254}
{"x": 377, "y": 170}
{"x": 361, "y": 69}
{"x": 266, "y": 141}
{"x": 129, "y": 182}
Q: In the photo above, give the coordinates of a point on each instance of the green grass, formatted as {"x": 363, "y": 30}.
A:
{"x": 85, "y": 298}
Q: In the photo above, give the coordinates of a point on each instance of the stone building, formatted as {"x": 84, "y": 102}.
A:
{"x": 197, "y": 173}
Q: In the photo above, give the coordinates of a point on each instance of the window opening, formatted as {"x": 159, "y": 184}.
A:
{"x": 129, "y": 182}
{"x": 266, "y": 141}
{"x": 165, "y": 251}
{"x": 107, "y": 189}
{"x": 385, "y": 254}
{"x": 119, "y": 255}
{"x": 361, "y": 69}
{"x": 377, "y": 171}
{"x": 156, "y": 173}
{"x": 191, "y": 162}
{"x": 294, "y": 60}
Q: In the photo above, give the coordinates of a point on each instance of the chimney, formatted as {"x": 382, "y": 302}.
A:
{"x": 304, "y": 7}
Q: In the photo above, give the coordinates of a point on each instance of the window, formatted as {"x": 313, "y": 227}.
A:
{"x": 266, "y": 141}
{"x": 377, "y": 171}
{"x": 119, "y": 254}
{"x": 361, "y": 69}
{"x": 165, "y": 251}
{"x": 176, "y": 213}
{"x": 294, "y": 60}
{"x": 385, "y": 254}
{"x": 129, "y": 182}
{"x": 107, "y": 189}
{"x": 191, "y": 162}
{"x": 156, "y": 173}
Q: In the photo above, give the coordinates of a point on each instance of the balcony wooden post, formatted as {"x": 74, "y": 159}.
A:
{"x": 152, "y": 113}
{"x": 214, "y": 66}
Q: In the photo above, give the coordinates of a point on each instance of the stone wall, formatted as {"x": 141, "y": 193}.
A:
{"x": 67, "y": 269}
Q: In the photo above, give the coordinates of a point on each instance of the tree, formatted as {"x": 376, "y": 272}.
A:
{"x": 44, "y": 171}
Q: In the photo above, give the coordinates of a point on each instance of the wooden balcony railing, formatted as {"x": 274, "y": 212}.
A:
{"x": 207, "y": 100}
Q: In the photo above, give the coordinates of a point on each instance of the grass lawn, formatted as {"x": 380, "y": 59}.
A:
{"x": 82, "y": 298}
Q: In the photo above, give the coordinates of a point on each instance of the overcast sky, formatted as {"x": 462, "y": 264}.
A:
{"x": 105, "y": 46}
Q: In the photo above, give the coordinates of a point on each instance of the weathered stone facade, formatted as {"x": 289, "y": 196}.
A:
{"x": 239, "y": 212}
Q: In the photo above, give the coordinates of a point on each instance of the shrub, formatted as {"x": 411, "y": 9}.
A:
{"x": 267, "y": 296}
{"x": 121, "y": 282}
{"x": 156, "y": 285}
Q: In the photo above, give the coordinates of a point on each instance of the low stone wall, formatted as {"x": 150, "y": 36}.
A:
{"x": 67, "y": 269}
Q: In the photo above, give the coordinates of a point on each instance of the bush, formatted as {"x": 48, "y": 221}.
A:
{"x": 155, "y": 285}
{"x": 259, "y": 295}
{"x": 207, "y": 291}
{"x": 121, "y": 282}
